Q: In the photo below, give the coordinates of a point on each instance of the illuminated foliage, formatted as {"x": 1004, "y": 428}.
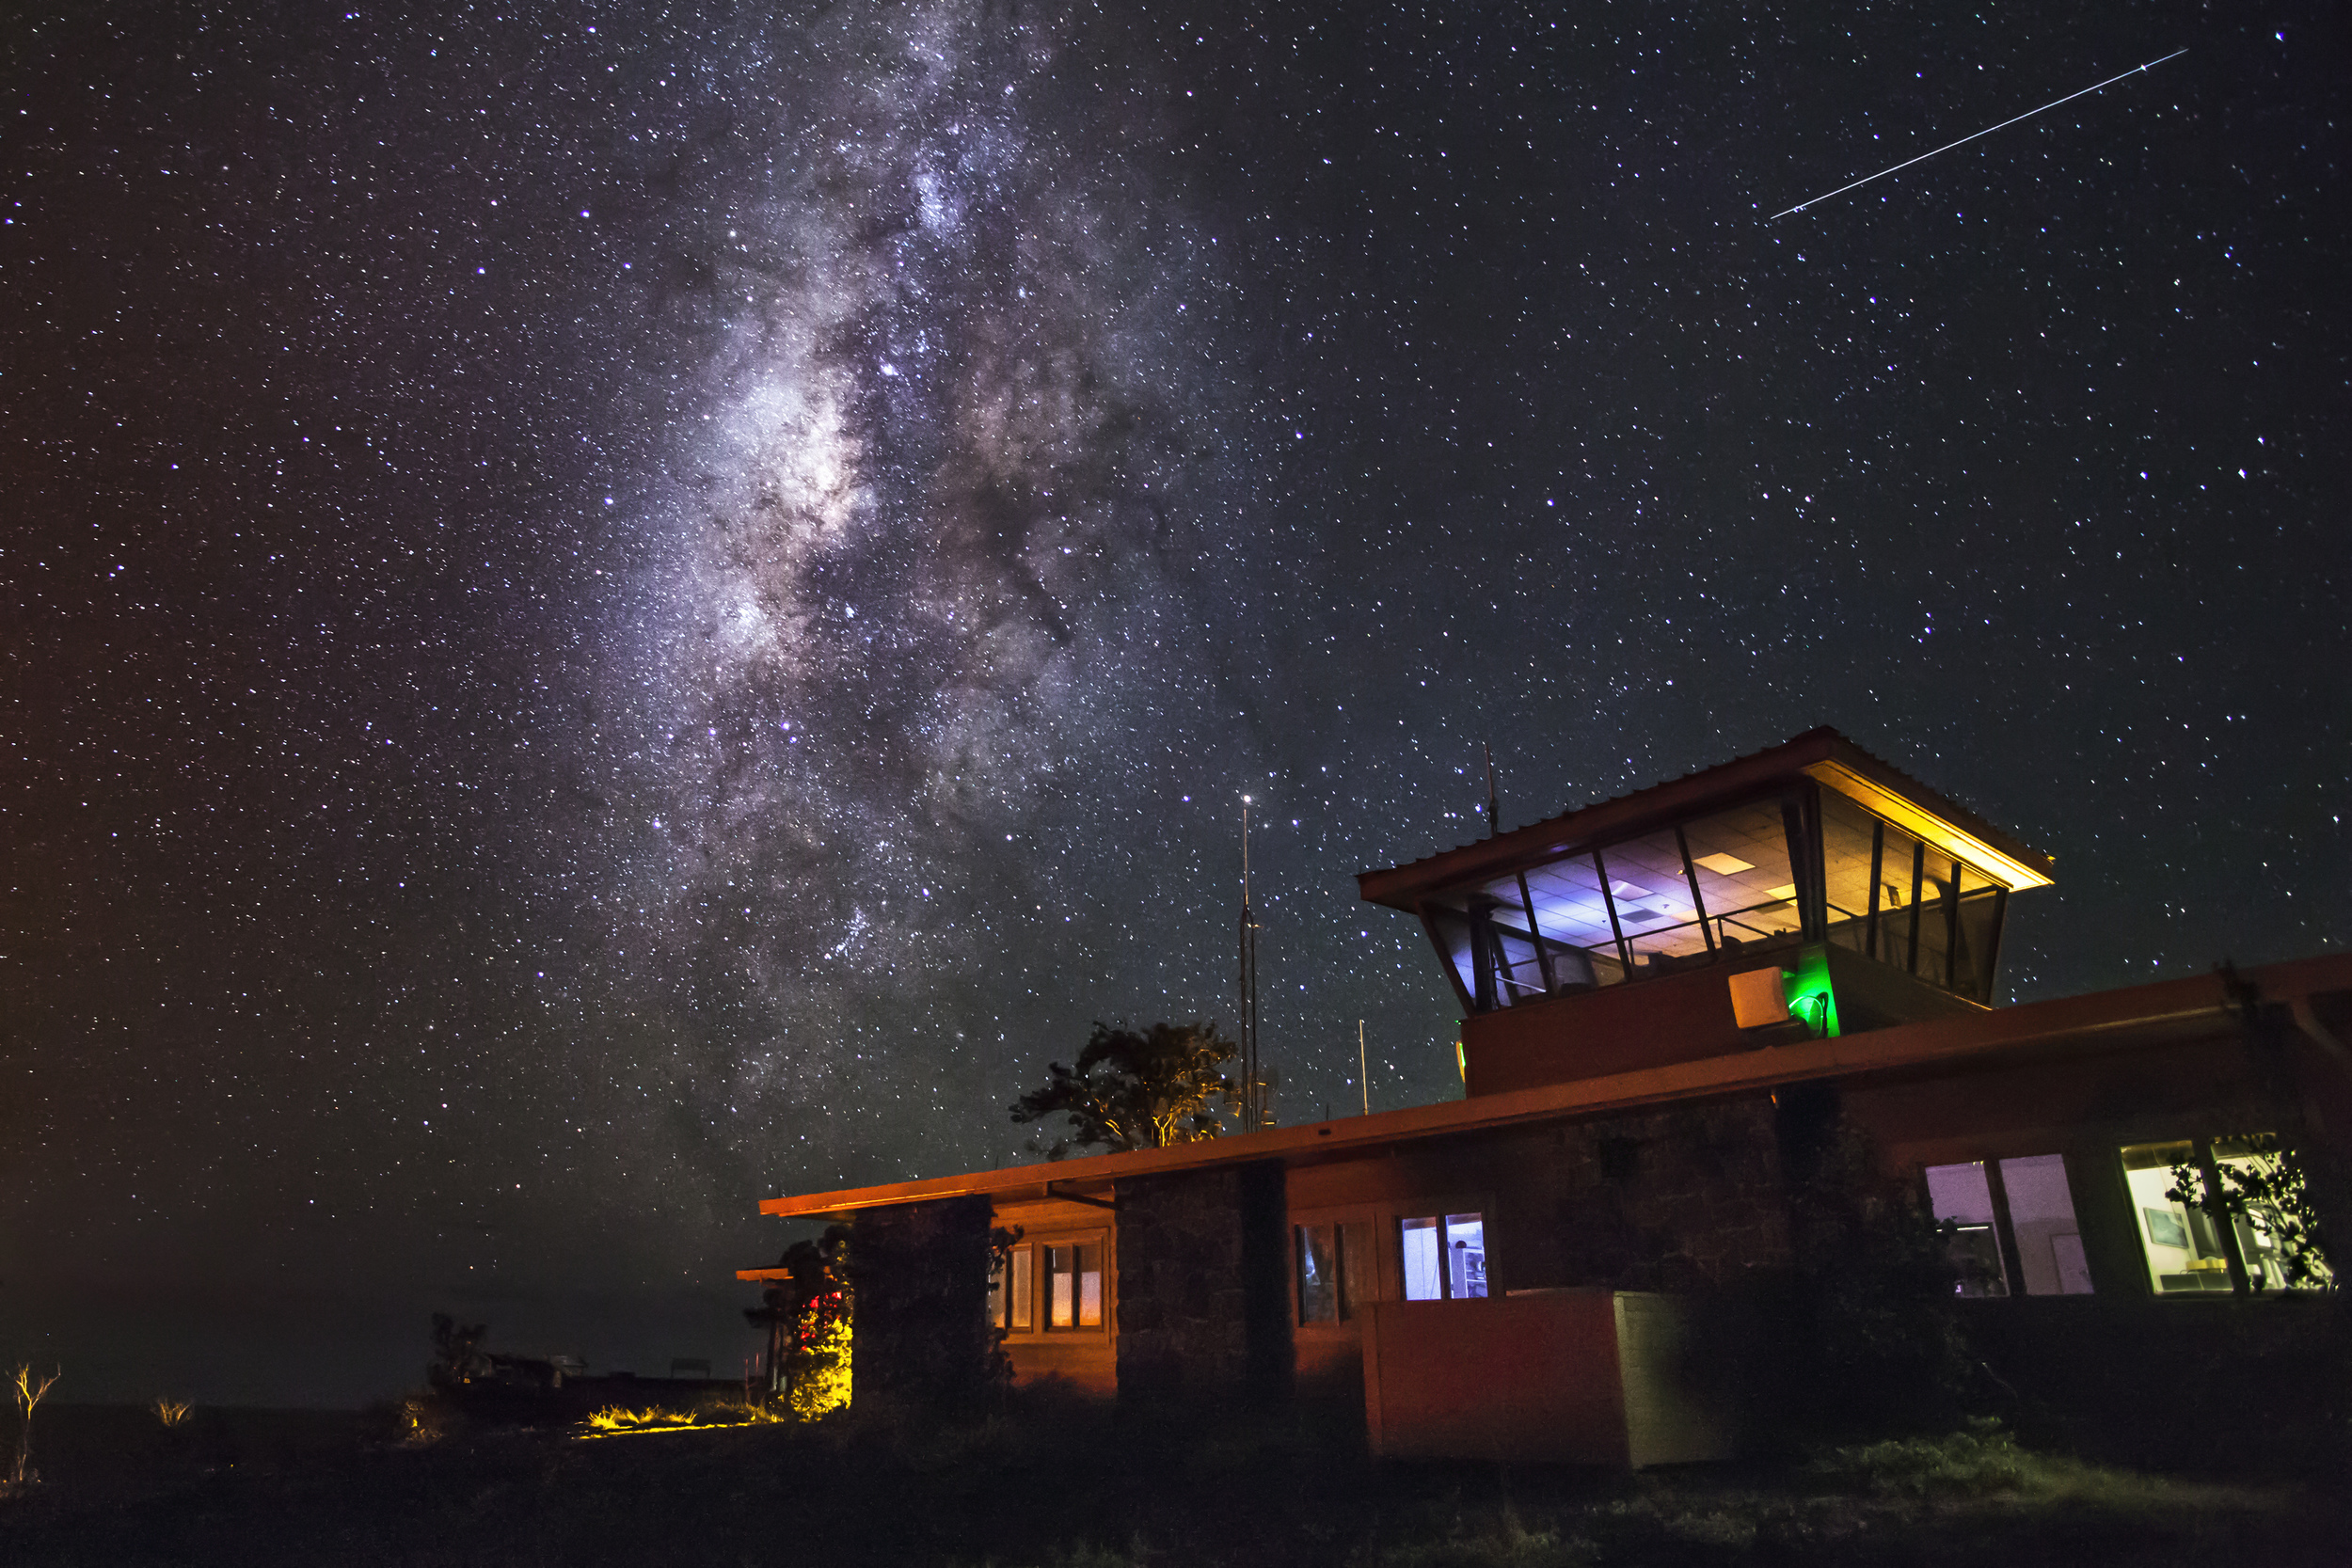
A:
{"x": 26, "y": 1390}
{"x": 1132, "y": 1090}
{"x": 2264, "y": 1187}
{"x": 807, "y": 1315}
{"x": 820, "y": 1377}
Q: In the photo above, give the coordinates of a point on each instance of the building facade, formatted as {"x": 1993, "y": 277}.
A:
{"x": 1657, "y": 991}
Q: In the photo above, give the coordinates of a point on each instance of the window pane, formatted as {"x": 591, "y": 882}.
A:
{"x": 1849, "y": 836}
{"x": 1979, "y": 930}
{"x": 1466, "y": 1256}
{"x": 1421, "y": 1247}
{"x": 1450, "y": 928}
{"x": 1936, "y": 895}
{"x": 1090, "y": 1286}
{"x": 1024, "y": 1286}
{"x": 1574, "y": 923}
{"x": 2253, "y": 1168}
{"x": 1318, "y": 1276}
{"x": 996, "y": 1292}
{"x": 1890, "y": 938}
{"x": 2183, "y": 1249}
{"x": 2041, "y": 1217}
{"x": 1961, "y": 1195}
{"x": 1741, "y": 857}
{"x": 1518, "y": 971}
{"x": 1653, "y": 898}
{"x": 1061, "y": 1297}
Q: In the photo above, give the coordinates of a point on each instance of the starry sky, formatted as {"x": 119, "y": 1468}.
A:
{"x": 613, "y": 609}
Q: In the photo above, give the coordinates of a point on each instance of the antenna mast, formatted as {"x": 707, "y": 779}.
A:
{"x": 1494, "y": 824}
{"x": 1252, "y": 1117}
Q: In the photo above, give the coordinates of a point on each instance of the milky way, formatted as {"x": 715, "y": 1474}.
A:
{"x": 618, "y": 609}
{"x": 939, "y": 503}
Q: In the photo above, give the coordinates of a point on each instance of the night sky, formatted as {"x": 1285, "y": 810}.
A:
{"x": 616, "y": 609}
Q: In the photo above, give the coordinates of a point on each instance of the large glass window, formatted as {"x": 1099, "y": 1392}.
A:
{"x": 2030, "y": 1195}
{"x": 1893, "y": 898}
{"x": 1725, "y": 884}
{"x": 2181, "y": 1243}
{"x": 1444, "y": 1257}
{"x": 1052, "y": 1286}
{"x": 1654, "y": 889}
{"x": 2266, "y": 1181}
{"x": 1740, "y": 860}
{"x": 2042, "y": 1218}
{"x": 1646, "y": 906}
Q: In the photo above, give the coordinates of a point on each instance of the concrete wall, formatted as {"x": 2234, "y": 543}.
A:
{"x": 921, "y": 1334}
{"x": 1204, "y": 1284}
{"x": 1576, "y": 1377}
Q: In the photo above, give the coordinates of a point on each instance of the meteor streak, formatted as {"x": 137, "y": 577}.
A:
{"x": 1973, "y": 135}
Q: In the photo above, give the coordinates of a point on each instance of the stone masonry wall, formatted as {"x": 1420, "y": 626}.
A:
{"x": 920, "y": 1331}
{"x": 1203, "y": 1301}
{"x": 1668, "y": 1200}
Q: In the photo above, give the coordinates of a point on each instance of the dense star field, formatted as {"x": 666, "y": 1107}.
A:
{"x": 617, "y": 609}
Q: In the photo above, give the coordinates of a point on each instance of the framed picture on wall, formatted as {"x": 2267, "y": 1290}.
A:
{"x": 2165, "y": 1229}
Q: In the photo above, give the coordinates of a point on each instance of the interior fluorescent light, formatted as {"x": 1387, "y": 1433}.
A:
{"x": 1723, "y": 864}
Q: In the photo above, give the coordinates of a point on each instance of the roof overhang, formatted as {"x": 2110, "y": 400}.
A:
{"x": 1822, "y": 755}
{"x": 2101, "y": 1020}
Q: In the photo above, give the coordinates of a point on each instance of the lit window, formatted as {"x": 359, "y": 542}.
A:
{"x": 1466, "y": 1256}
{"x": 1023, "y": 1289}
{"x": 1962, "y": 1198}
{"x": 2181, "y": 1243}
{"x": 1318, "y": 1274}
{"x": 1073, "y": 1287}
{"x": 2042, "y": 1218}
{"x": 1444, "y": 1257}
{"x": 1332, "y": 1259}
{"x": 2265, "y": 1182}
{"x": 2184, "y": 1243}
{"x": 2032, "y": 1195}
{"x": 1892, "y": 898}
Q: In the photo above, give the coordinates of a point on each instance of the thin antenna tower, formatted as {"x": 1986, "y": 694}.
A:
{"x": 1252, "y": 1117}
{"x": 1363, "y": 1079}
{"x": 1494, "y": 823}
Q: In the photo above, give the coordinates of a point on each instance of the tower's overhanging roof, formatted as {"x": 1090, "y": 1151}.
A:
{"x": 1822, "y": 754}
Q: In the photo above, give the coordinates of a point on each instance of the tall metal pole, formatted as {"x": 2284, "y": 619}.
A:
{"x": 1363, "y": 1078}
{"x": 1493, "y": 806}
{"x": 1250, "y": 1110}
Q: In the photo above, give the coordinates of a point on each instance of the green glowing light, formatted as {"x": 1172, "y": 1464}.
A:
{"x": 1811, "y": 998}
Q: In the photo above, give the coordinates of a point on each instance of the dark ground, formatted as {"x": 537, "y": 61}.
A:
{"x": 1074, "y": 1488}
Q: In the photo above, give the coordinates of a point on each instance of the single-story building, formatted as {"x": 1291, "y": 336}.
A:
{"x": 1648, "y": 985}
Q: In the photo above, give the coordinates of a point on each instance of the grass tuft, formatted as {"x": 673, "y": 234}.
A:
{"x": 1981, "y": 1461}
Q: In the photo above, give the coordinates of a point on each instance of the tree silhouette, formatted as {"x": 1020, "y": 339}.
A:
{"x": 1135, "y": 1090}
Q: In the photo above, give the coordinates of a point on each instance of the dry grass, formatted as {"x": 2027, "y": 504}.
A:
{"x": 616, "y": 1420}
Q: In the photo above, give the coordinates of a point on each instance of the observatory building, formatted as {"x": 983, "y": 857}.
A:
{"x": 1669, "y": 1001}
